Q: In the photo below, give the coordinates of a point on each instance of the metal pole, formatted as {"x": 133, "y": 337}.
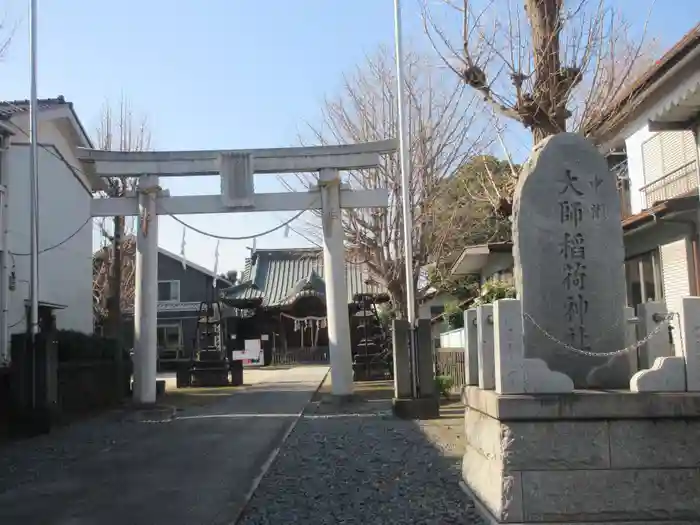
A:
{"x": 405, "y": 159}
{"x": 33, "y": 178}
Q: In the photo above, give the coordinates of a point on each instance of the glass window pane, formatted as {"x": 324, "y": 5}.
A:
{"x": 168, "y": 336}
{"x": 164, "y": 291}
{"x": 172, "y": 337}
{"x": 648, "y": 276}
{"x": 634, "y": 286}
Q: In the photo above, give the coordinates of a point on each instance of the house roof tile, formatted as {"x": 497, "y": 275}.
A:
{"x": 10, "y": 108}
{"x": 637, "y": 89}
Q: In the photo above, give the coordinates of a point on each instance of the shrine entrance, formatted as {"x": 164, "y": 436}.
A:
{"x": 304, "y": 330}
{"x": 236, "y": 170}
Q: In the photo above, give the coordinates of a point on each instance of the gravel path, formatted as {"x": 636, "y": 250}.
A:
{"x": 360, "y": 465}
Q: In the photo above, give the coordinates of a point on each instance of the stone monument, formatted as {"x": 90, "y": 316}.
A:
{"x": 569, "y": 259}
{"x": 538, "y": 451}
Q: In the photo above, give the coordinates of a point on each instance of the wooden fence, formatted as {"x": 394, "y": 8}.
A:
{"x": 301, "y": 356}
{"x": 450, "y": 362}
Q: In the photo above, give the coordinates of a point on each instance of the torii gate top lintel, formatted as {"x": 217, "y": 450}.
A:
{"x": 150, "y": 165}
{"x": 205, "y": 162}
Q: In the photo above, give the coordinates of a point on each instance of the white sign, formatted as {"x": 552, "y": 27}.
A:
{"x": 252, "y": 345}
{"x": 264, "y": 337}
{"x": 167, "y": 306}
{"x": 253, "y": 352}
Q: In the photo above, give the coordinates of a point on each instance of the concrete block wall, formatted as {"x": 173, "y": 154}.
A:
{"x": 581, "y": 471}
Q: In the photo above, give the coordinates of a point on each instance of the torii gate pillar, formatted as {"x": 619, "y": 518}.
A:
{"x": 336, "y": 287}
{"x": 146, "y": 293}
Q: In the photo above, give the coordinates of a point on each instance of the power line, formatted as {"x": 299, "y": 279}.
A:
{"x": 59, "y": 244}
{"x": 244, "y": 238}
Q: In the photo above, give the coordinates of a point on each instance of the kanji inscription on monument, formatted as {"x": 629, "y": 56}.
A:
{"x": 569, "y": 258}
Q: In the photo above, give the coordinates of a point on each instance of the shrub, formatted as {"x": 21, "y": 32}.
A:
{"x": 494, "y": 289}
{"x": 454, "y": 317}
{"x": 78, "y": 346}
{"x": 444, "y": 385}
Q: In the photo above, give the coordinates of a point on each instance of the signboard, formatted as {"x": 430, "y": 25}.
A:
{"x": 168, "y": 306}
{"x": 252, "y": 355}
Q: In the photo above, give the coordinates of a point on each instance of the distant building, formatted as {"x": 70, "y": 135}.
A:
{"x": 285, "y": 293}
{"x": 651, "y": 137}
{"x": 182, "y": 291}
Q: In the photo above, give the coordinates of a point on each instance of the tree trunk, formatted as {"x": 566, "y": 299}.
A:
{"x": 114, "y": 287}
{"x": 547, "y": 113}
{"x": 542, "y": 130}
{"x": 397, "y": 294}
{"x": 398, "y": 299}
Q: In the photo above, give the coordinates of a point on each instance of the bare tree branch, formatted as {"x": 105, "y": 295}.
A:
{"x": 445, "y": 129}
{"x": 547, "y": 64}
{"x": 113, "y": 283}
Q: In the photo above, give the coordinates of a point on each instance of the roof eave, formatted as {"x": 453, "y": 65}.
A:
{"x": 660, "y": 210}
{"x": 194, "y": 266}
{"x": 473, "y": 259}
{"x": 649, "y": 87}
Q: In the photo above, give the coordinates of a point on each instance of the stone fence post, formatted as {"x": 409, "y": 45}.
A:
{"x": 651, "y": 315}
{"x": 673, "y": 369}
{"x": 484, "y": 330}
{"x": 514, "y": 373}
{"x": 471, "y": 348}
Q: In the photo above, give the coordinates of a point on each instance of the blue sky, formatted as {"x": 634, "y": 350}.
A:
{"x": 217, "y": 74}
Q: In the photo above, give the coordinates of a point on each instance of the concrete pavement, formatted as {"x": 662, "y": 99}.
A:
{"x": 196, "y": 469}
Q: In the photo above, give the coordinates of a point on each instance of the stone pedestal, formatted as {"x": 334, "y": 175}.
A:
{"x": 427, "y": 404}
{"x": 402, "y": 360}
{"x": 583, "y": 458}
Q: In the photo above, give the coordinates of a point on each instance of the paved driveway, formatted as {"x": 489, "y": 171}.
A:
{"x": 194, "y": 470}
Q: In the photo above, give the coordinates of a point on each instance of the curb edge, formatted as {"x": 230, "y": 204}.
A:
{"x": 273, "y": 455}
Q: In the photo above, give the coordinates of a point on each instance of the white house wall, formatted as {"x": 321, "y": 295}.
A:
{"x": 65, "y": 273}
{"x": 637, "y": 132}
{"x": 676, "y": 275}
{"x": 499, "y": 266}
{"x": 424, "y": 312}
{"x": 635, "y": 166}
{"x": 50, "y": 134}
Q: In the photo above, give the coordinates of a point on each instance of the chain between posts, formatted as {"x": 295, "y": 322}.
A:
{"x": 661, "y": 319}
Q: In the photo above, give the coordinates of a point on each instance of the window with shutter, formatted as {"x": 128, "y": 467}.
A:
{"x": 652, "y": 159}
{"x": 669, "y": 162}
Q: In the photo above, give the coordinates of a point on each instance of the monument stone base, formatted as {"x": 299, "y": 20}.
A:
{"x": 585, "y": 458}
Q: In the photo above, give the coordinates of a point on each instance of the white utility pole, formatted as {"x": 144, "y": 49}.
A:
{"x": 33, "y": 178}
{"x": 405, "y": 156}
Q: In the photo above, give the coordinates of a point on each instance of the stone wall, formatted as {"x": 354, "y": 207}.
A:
{"x": 584, "y": 458}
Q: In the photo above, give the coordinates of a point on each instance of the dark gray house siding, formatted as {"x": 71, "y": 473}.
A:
{"x": 179, "y": 314}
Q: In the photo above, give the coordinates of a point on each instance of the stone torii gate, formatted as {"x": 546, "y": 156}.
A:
{"x": 236, "y": 169}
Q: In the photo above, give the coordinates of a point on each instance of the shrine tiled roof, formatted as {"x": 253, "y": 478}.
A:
{"x": 278, "y": 276}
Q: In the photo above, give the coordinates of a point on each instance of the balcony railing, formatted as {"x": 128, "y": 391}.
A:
{"x": 679, "y": 182}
